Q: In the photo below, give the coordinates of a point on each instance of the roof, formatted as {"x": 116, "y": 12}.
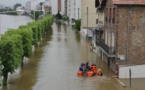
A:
{"x": 126, "y": 2}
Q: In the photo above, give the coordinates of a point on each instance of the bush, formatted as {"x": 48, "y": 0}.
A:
{"x": 65, "y": 18}
{"x": 77, "y": 24}
{"x": 58, "y": 16}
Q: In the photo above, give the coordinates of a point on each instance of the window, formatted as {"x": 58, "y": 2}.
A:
{"x": 110, "y": 15}
{"x": 106, "y": 17}
{"x": 113, "y": 18}
{"x": 96, "y": 21}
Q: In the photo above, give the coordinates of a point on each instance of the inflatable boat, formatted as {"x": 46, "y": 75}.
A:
{"x": 89, "y": 73}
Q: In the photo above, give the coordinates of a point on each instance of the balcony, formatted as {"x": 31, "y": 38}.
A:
{"x": 108, "y": 50}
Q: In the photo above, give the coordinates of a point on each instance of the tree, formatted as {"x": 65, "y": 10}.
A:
{"x": 35, "y": 14}
{"x": 77, "y": 24}
{"x": 65, "y": 18}
{"x": 17, "y": 5}
{"x": 11, "y": 48}
{"x": 58, "y": 15}
{"x": 41, "y": 3}
{"x": 26, "y": 35}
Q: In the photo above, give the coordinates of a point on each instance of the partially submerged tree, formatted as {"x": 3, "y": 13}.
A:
{"x": 77, "y": 24}
{"x": 11, "y": 53}
{"x": 58, "y": 15}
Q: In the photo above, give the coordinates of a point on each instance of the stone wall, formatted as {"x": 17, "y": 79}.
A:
{"x": 131, "y": 18}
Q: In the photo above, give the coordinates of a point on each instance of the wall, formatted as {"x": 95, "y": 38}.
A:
{"x": 54, "y": 7}
{"x": 92, "y": 15}
{"x": 77, "y": 9}
{"x": 135, "y": 17}
{"x": 137, "y": 71}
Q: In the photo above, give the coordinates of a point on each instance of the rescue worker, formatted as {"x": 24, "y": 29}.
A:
{"x": 87, "y": 65}
{"x": 84, "y": 69}
{"x": 93, "y": 68}
{"x": 99, "y": 72}
{"x": 81, "y": 67}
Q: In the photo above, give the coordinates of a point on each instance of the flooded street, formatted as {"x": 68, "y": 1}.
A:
{"x": 54, "y": 65}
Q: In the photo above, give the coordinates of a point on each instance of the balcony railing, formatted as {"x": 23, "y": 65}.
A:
{"x": 105, "y": 47}
{"x": 97, "y": 42}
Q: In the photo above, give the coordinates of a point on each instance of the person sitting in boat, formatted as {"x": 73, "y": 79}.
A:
{"x": 81, "y": 67}
{"x": 87, "y": 65}
{"x": 99, "y": 72}
{"x": 84, "y": 69}
{"x": 94, "y": 68}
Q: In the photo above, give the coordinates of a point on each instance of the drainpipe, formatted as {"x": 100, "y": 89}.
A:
{"x": 127, "y": 33}
{"x": 87, "y": 36}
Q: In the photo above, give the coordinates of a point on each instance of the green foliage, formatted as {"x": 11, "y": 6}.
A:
{"x": 77, "y": 24}
{"x": 27, "y": 38}
{"x": 32, "y": 12}
{"x": 12, "y": 13}
{"x": 58, "y": 15}
{"x": 65, "y": 18}
{"x": 35, "y": 14}
{"x": 11, "y": 48}
{"x": 17, "y": 43}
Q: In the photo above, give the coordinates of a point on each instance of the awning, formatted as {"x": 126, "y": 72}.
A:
{"x": 99, "y": 28}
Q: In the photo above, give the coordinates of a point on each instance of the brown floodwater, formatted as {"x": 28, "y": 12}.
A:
{"x": 54, "y": 65}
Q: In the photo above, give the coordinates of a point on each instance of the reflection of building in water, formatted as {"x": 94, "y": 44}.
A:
{"x": 58, "y": 39}
{"x": 65, "y": 28}
{"x": 58, "y": 26}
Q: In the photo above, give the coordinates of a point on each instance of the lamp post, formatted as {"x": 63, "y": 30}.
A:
{"x": 87, "y": 37}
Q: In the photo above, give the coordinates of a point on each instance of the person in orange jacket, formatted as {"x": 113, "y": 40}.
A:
{"x": 93, "y": 68}
{"x": 99, "y": 72}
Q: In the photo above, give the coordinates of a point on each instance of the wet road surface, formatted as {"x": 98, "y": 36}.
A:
{"x": 54, "y": 65}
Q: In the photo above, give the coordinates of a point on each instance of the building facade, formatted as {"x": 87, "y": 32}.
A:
{"x": 46, "y": 8}
{"x": 31, "y": 5}
{"x": 89, "y": 16}
{"x": 73, "y": 10}
{"x": 123, "y": 40}
{"x": 65, "y": 7}
{"x": 59, "y": 5}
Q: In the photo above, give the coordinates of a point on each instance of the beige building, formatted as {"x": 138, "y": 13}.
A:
{"x": 88, "y": 20}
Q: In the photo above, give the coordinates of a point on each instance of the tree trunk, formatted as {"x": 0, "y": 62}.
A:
{"x": 22, "y": 63}
{"x": 5, "y": 75}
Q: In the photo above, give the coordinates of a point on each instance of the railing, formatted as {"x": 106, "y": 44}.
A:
{"x": 97, "y": 42}
{"x": 105, "y": 47}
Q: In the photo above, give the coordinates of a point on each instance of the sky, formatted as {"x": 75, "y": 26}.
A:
{"x": 13, "y": 2}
